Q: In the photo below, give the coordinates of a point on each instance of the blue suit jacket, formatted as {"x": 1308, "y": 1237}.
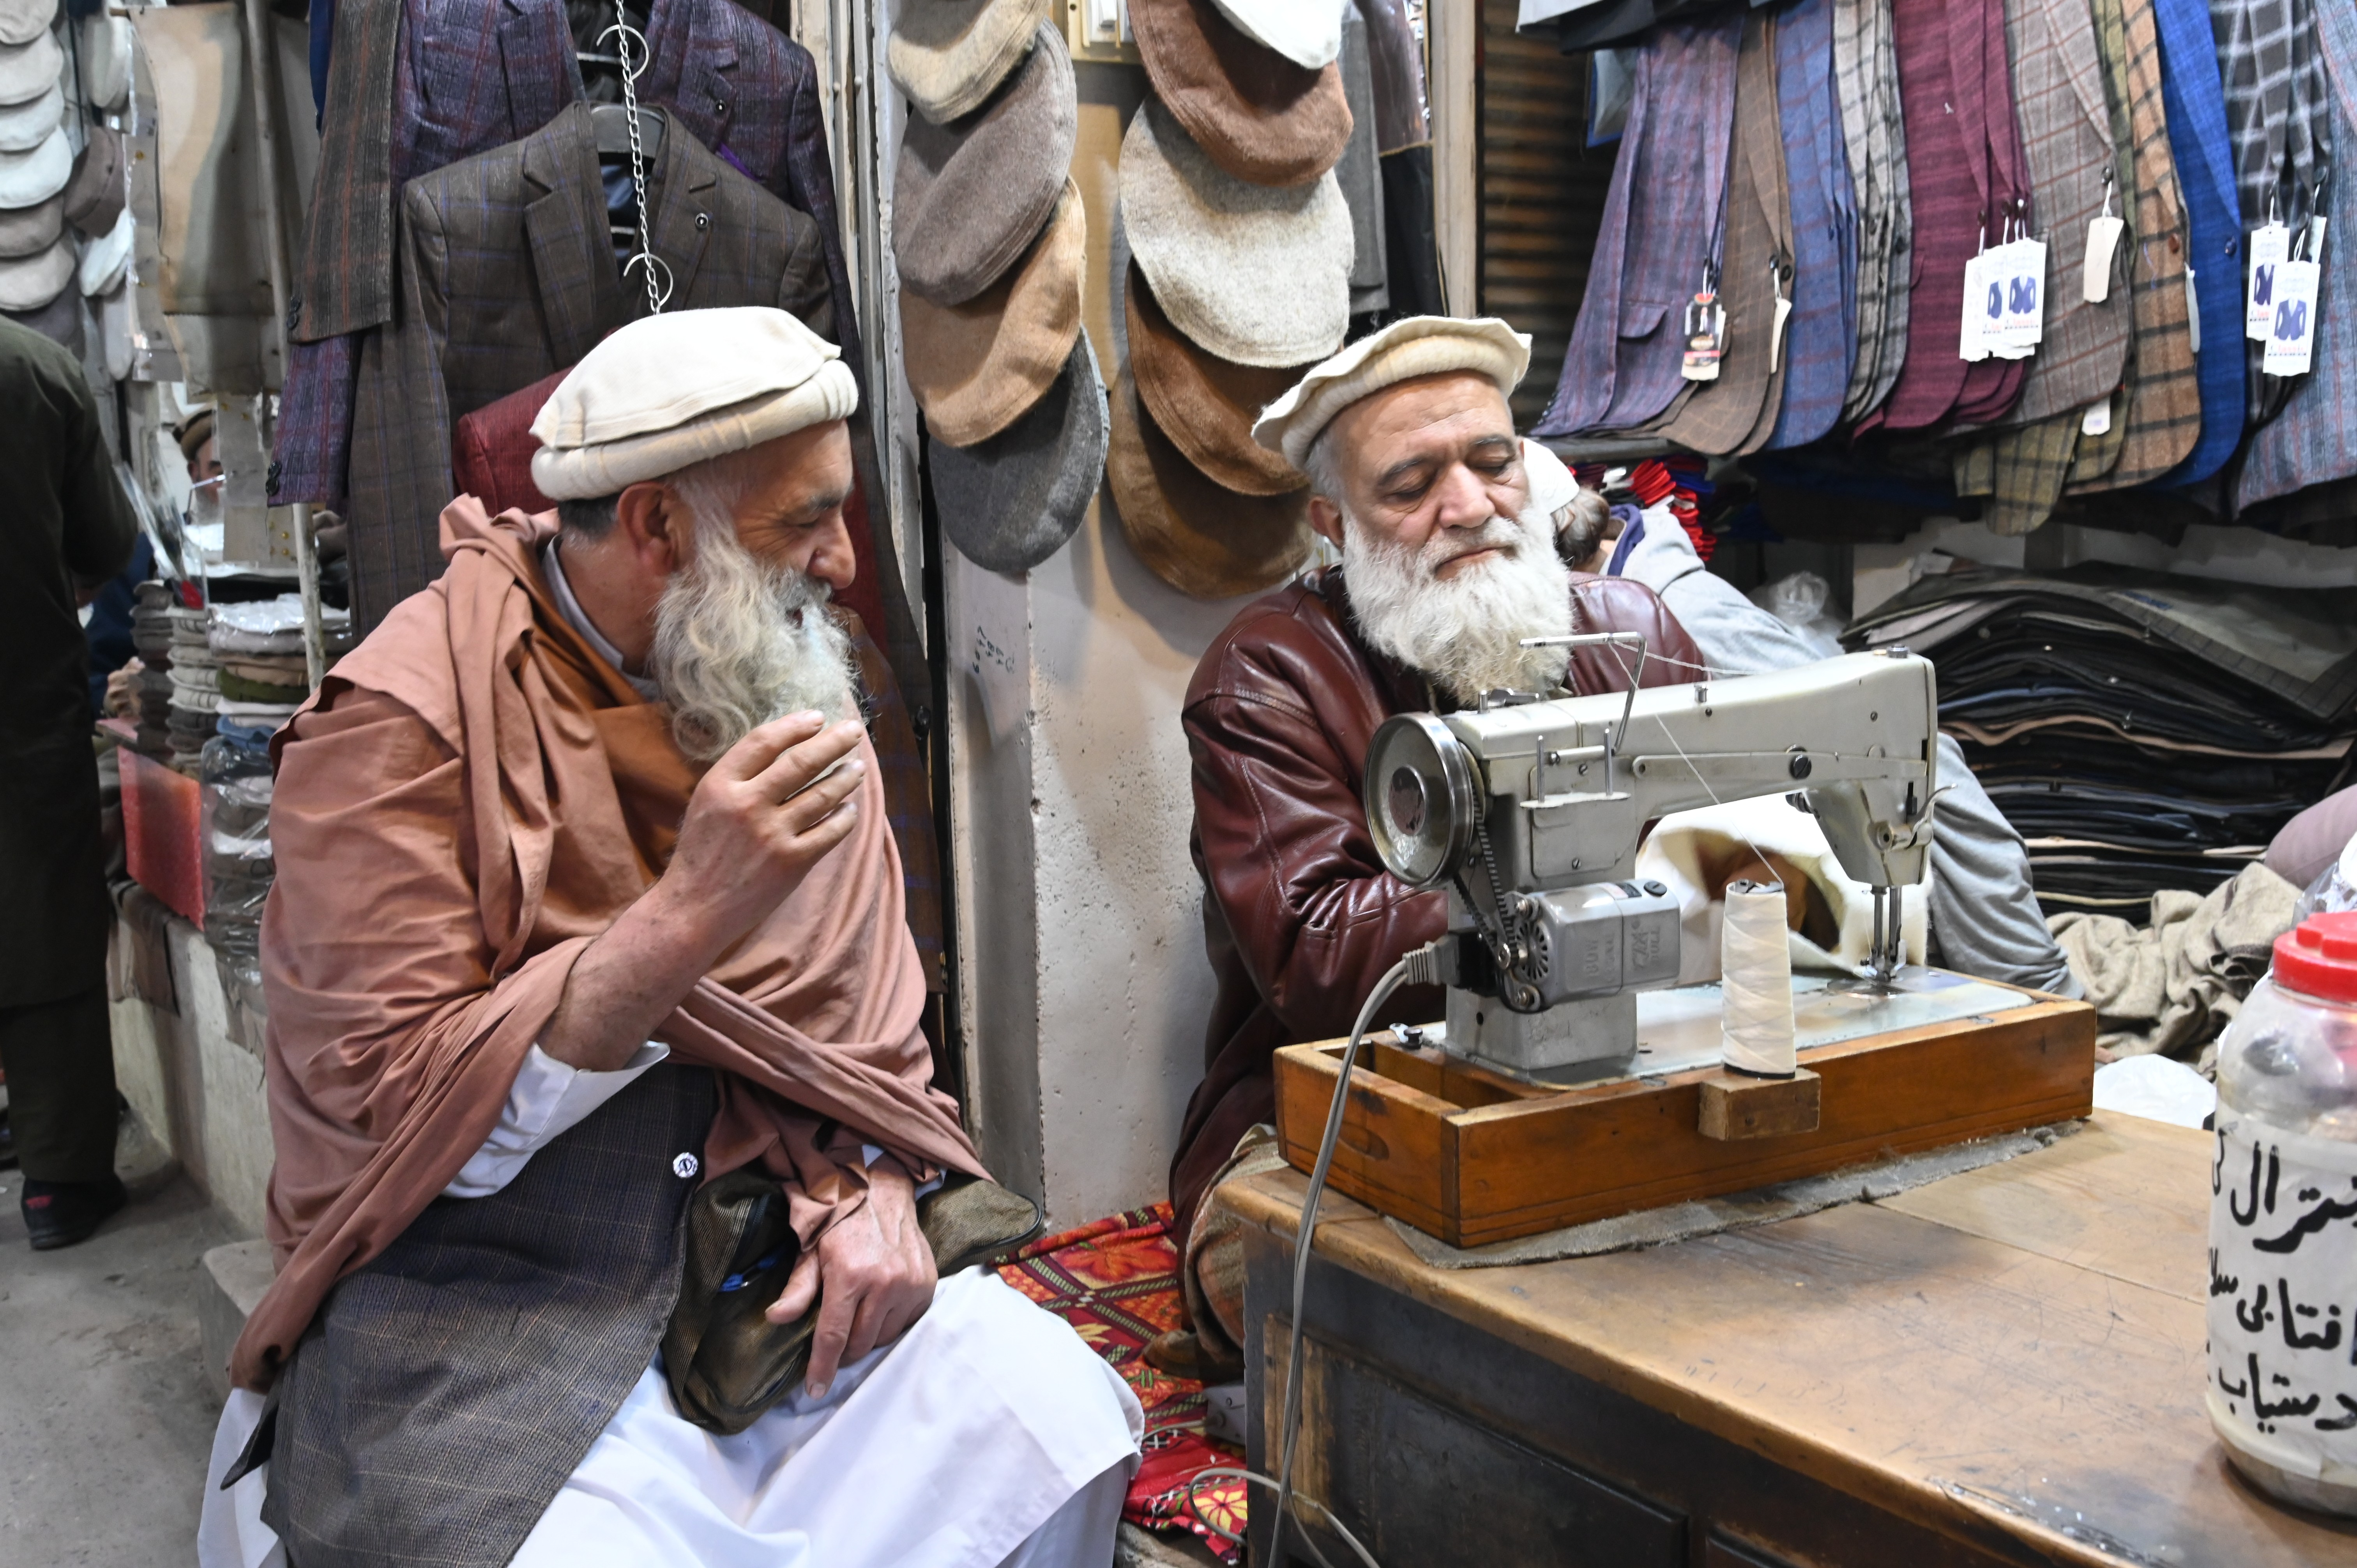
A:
{"x": 1821, "y": 339}
{"x": 2196, "y": 106}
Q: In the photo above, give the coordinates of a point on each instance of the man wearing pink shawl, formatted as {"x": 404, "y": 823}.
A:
{"x": 584, "y": 897}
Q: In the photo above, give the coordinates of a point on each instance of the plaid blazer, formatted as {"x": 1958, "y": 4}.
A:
{"x": 449, "y": 1385}
{"x": 1821, "y": 339}
{"x": 2314, "y": 440}
{"x": 2066, "y": 126}
{"x": 1661, "y": 225}
{"x": 508, "y": 275}
{"x": 1737, "y": 413}
{"x": 1964, "y": 175}
{"x": 2201, "y": 146}
{"x": 2160, "y": 417}
{"x": 1874, "y": 131}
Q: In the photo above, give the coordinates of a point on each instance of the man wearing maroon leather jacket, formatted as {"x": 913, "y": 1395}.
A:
{"x": 1447, "y": 564}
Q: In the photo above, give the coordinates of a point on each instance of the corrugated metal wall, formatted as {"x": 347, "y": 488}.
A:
{"x": 1541, "y": 192}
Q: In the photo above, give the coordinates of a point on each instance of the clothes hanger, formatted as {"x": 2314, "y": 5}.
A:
{"x": 612, "y": 123}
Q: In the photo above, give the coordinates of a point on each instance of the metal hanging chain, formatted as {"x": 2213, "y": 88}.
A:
{"x": 644, "y": 260}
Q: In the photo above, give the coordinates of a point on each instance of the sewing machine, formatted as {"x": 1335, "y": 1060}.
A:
{"x": 1530, "y": 812}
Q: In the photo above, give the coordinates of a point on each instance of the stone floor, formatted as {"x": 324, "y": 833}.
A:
{"x": 106, "y": 1417}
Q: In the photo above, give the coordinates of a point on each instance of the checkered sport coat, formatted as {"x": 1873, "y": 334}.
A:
{"x": 508, "y": 275}
{"x": 2200, "y": 142}
{"x": 1866, "y": 80}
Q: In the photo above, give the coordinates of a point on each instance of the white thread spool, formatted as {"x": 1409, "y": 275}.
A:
{"x": 1756, "y": 981}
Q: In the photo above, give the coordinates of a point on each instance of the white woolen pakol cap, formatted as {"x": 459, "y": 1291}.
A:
{"x": 666, "y": 392}
{"x": 1419, "y": 346}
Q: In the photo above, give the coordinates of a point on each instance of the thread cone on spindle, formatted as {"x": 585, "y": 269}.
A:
{"x": 1756, "y": 981}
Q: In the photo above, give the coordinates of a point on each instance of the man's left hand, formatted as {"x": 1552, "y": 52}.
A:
{"x": 872, "y": 1275}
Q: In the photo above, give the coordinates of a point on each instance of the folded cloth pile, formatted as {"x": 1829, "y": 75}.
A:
{"x": 2175, "y": 984}
{"x": 151, "y": 638}
{"x": 257, "y": 650}
{"x": 195, "y": 694}
{"x": 2141, "y": 732}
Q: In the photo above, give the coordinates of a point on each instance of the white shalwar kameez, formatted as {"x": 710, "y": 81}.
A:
{"x": 987, "y": 1436}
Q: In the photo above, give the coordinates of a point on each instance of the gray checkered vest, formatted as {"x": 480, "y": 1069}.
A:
{"x": 446, "y": 1391}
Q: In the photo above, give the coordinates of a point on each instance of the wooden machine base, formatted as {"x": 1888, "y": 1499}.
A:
{"x": 1473, "y": 1156}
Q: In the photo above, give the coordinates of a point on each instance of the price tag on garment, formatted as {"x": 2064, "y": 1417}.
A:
{"x": 2270, "y": 248}
{"x": 2024, "y": 322}
{"x": 1776, "y": 343}
{"x": 2291, "y": 332}
{"x": 1705, "y": 338}
{"x": 1972, "y": 346}
{"x": 2283, "y": 1294}
{"x": 2192, "y": 313}
{"x": 2103, "y": 241}
{"x": 2097, "y": 420}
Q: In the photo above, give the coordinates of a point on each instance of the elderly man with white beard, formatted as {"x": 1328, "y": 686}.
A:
{"x": 1447, "y": 566}
{"x": 585, "y": 899}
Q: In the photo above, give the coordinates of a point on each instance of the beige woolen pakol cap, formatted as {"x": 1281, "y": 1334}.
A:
{"x": 1257, "y": 274}
{"x": 950, "y": 55}
{"x": 1419, "y": 346}
{"x": 976, "y": 368}
{"x": 22, "y": 21}
{"x": 27, "y": 70}
{"x": 669, "y": 392}
{"x": 24, "y": 127}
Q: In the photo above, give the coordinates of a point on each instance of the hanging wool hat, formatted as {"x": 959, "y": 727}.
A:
{"x": 669, "y": 392}
{"x": 22, "y": 21}
{"x": 96, "y": 192}
{"x": 1010, "y": 502}
{"x": 26, "y": 180}
{"x": 107, "y": 41}
{"x": 1418, "y": 346}
{"x": 1257, "y": 274}
{"x": 1307, "y": 32}
{"x": 968, "y": 199}
{"x": 29, "y": 282}
{"x": 1260, "y": 116}
{"x": 1202, "y": 403}
{"x": 60, "y": 321}
{"x": 1200, "y": 539}
{"x": 27, "y": 70}
{"x": 24, "y": 127}
{"x": 104, "y": 261}
{"x": 25, "y": 229}
{"x": 950, "y": 55}
{"x": 976, "y": 366}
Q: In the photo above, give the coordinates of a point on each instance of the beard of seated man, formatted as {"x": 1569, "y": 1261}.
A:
{"x": 739, "y": 640}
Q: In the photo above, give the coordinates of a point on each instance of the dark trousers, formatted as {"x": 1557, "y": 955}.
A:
{"x": 60, "y": 1058}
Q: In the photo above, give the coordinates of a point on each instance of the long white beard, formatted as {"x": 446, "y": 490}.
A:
{"x": 1465, "y": 631}
{"x": 740, "y": 642}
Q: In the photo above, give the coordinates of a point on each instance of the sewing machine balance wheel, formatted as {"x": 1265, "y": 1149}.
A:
{"x": 1424, "y": 801}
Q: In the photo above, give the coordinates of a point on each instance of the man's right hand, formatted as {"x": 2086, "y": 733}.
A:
{"x": 758, "y": 822}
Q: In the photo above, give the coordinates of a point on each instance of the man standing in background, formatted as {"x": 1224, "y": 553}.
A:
{"x": 67, "y": 529}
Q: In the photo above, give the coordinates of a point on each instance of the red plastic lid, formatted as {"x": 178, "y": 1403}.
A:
{"x": 2319, "y": 959}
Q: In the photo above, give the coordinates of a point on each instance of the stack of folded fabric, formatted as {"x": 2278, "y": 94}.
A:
{"x": 257, "y": 650}
{"x": 151, "y": 638}
{"x": 195, "y": 694}
{"x": 2141, "y": 732}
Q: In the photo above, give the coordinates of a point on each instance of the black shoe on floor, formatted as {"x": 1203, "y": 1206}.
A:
{"x": 60, "y": 1213}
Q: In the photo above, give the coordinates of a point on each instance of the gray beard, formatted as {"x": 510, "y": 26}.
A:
{"x": 1464, "y": 632}
{"x": 740, "y": 642}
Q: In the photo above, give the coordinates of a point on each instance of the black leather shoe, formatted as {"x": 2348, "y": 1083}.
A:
{"x": 60, "y": 1213}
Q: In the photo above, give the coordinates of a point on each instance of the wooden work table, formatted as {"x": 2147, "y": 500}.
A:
{"x": 2003, "y": 1367}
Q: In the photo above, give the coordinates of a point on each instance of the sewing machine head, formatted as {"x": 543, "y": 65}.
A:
{"x": 1531, "y": 814}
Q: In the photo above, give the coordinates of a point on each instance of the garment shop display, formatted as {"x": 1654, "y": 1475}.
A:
{"x": 509, "y": 274}
{"x": 2200, "y": 142}
{"x": 2141, "y": 732}
{"x": 978, "y": 366}
{"x": 968, "y": 199}
{"x": 1261, "y": 117}
{"x": 1821, "y": 338}
{"x": 1873, "y": 132}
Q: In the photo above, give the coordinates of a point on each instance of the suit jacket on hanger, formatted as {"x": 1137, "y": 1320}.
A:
{"x": 1821, "y": 339}
{"x": 1986, "y": 108}
{"x": 1874, "y": 131}
{"x": 2160, "y": 418}
{"x": 1661, "y": 225}
{"x": 508, "y": 275}
{"x": 2203, "y": 152}
{"x": 2314, "y": 440}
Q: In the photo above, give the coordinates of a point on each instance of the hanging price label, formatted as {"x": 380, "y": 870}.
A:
{"x": 2192, "y": 313}
{"x": 1972, "y": 338}
{"x": 2270, "y": 247}
{"x": 2103, "y": 241}
{"x": 2291, "y": 330}
{"x": 1705, "y": 327}
{"x": 2097, "y": 420}
{"x": 2023, "y": 324}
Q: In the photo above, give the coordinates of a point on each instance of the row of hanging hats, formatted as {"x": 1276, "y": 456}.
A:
{"x": 991, "y": 241}
{"x": 65, "y": 233}
{"x": 1240, "y": 248}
